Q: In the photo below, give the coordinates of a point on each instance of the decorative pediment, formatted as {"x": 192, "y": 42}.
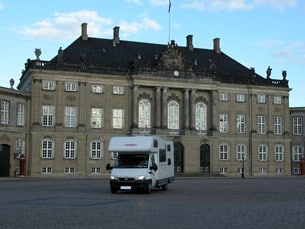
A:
{"x": 172, "y": 58}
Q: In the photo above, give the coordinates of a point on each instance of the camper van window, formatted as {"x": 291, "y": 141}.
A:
{"x": 162, "y": 155}
{"x": 131, "y": 161}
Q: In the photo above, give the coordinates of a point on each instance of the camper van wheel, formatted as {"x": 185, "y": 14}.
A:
{"x": 164, "y": 187}
{"x": 148, "y": 188}
{"x": 113, "y": 190}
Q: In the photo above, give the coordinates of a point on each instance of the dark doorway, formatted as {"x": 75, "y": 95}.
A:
{"x": 179, "y": 155}
{"x": 4, "y": 160}
{"x": 205, "y": 158}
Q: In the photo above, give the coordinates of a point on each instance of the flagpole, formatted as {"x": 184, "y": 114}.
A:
{"x": 169, "y": 21}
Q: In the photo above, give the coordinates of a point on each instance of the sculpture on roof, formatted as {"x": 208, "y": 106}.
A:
{"x": 268, "y": 72}
{"x": 284, "y": 74}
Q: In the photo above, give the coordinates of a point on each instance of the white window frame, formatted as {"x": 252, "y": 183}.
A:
{"x": 69, "y": 170}
{"x": 278, "y": 125}
{"x": 97, "y": 115}
{"x": 71, "y": 86}
{"x": 201, "y": 116}
{"x": 240, "y": 97}
{"x": 20, "y": 114}
{"x": 277, "y": 99}
{"x": 144, "y": 114}
{"x": 297, "y": 125}
{"x": 48, "y": 85}
{"x": 70, "y": 149}
{"x": 262, "y": 152}
{"x": 47, "y": 148}
{"x": 173, "y": 115}
{"x": 224, "y": 152}
{"x": 261, "y": 124}
{"x": 70, "y": 116}
{"x": 118, "y": 90}
{"x": 279, "y": 170}
{"x": 20, "y": 146}
{"x": 279, "y": 152}
{"x": 241, "y": 124}
{"x": 97, "y": 88}
{"x": 241, "y": 152}
{"x": 263, "y": 170}
{"x": 46, "y": 170}
{"x": 261, "y": 98}
{"x": 223, "y": 123}
{"x": 96, "y": 170}
{"x": 223, "y": 96}
{"x": 48, "y": 115}
{"x": 96, "y": 150}
{"x": 117, "y": 118}
{"x": 4, "y": 112}
{"x": 297, "y": 153}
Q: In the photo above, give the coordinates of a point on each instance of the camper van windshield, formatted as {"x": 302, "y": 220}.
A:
{"x": 131, "y": 161}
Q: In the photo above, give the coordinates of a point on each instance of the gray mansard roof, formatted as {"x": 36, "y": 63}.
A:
{"x": 120, "y": 57}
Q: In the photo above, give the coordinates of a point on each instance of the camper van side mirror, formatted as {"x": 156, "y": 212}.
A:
{"x": 109, "y": 167}
{"x": 154, "y": 167}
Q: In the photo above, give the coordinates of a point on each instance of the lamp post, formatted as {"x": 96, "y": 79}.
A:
{"x": 243, "y": 168}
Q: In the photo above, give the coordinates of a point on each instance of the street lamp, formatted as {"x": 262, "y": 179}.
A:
{"x": 243, "y": 168}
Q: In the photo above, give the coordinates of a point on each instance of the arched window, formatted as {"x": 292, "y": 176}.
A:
{"x": 201, "y": 116}
{"x": 144, "y": 113}
{"x": 173, "y": 115}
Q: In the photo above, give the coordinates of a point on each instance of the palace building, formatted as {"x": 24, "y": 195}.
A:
{"x": 223, "y": 117}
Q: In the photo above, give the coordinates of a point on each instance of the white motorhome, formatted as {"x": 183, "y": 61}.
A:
{"x": 141, "y": 163}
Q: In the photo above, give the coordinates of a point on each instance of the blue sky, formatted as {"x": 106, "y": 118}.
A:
{"x": 256, "y": 33}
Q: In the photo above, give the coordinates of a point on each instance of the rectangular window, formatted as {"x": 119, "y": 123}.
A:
{"x": 71, "y": 86}
{"x": 223, "y": 96}
{"x": 261, "y": 124}
{"x": 96, "y": 117}
{"x": 277, "y": 100}
{"x": 224, "y": 152}
{"x": 263, "y": 171}
{"x": 96, "y": 150}
{"x": 47, "y": 149}
{"x": 70, "y": 149}
{"x": 117, "y": 118}
{"x": 240, "y": 98}
{"x": 48, "y": 85}
{"x": 296, "y": 171}
{"x": 262, "y": 153}
{"x": 279, "y": 153}
{"x": 48, "y": 113}
{"x": 70, "y": 116}
{"x": 46, "y": 170}
{"x": 278, "y": 125}
{"x": 223, "y": 170}
{"x": 20, "y": 114}
{"x": 297, "y": 125}
{"x": 279, "y": 170}
{"x": 95, "y": 170}
{"x": 20, "y": 147}
{"x": 69, "y": 170}
{"x": 297, "y": 153}
{"x": 4, "y": 112}
{"x": 96, "y": 88}
{"x": 261, "y": 98}
{"x": 241, "y": 124}
{"x": 223, "y": 123}
{"x": 241, "y": 152}
{"x": 118, "y": 90}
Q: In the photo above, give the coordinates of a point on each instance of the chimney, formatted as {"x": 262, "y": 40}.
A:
{"x": 116, "y": 37}
{"x": 217, "y": 45}
{"x": 189, "y": 42}
{"x": 84, "y": 32}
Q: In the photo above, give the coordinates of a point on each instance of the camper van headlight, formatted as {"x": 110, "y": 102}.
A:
{"x": 140, "y": 177}
{"x": 113, "y": 177}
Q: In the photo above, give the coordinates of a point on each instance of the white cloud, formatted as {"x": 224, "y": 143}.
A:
{"x": 146, "y": 23}
{"x": 67, "y": 26}
{"x": 160, "y": 2}
{"x": 137, "y": 2}
{"x": 214, "y": 5}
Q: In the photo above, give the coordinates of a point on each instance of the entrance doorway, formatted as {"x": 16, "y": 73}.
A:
{"x": 4, "y": 160}
{"x": 205, "y": 158}
{"x": 179, "y": 155}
